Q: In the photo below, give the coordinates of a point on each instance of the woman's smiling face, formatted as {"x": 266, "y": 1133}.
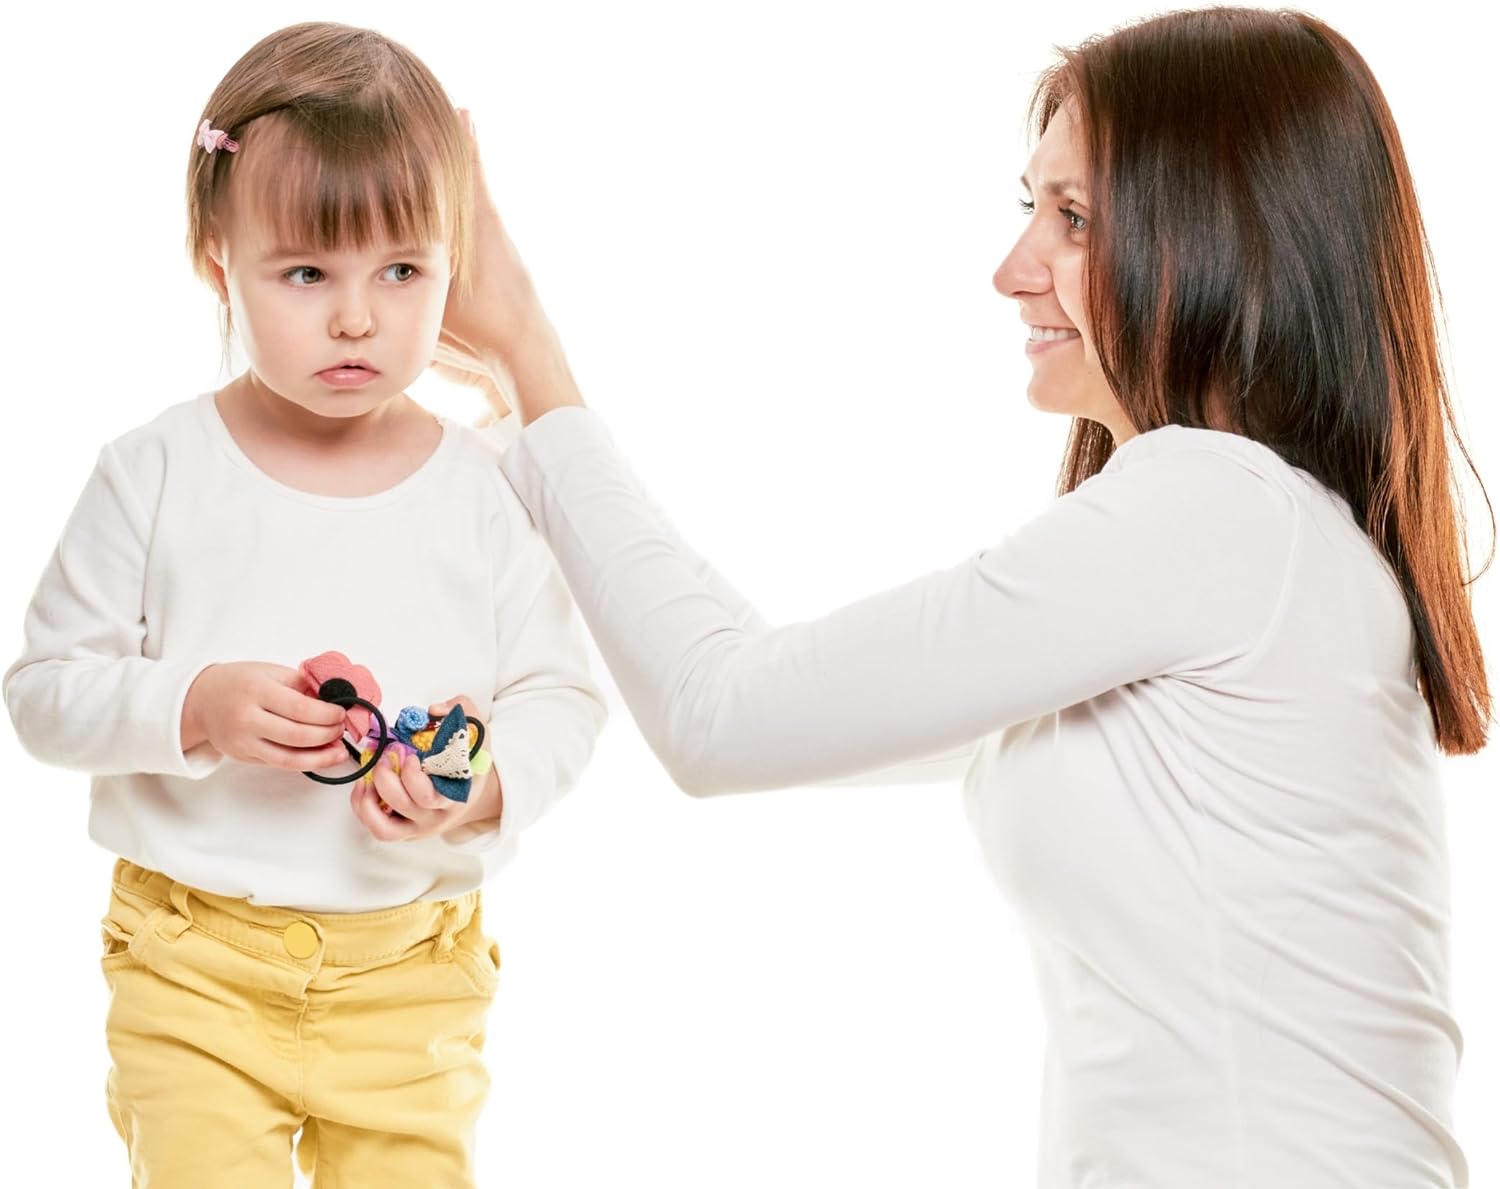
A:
{"x": 1045, "y": 272}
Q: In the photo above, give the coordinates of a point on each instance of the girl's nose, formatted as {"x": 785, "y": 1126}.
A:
{"x": 353, "y": 317}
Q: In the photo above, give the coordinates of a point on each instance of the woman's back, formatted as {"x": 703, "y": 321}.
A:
{"x": 1235, "y": 874}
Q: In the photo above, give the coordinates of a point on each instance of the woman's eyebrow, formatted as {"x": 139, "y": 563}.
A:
{"x": 1056, "y": 187}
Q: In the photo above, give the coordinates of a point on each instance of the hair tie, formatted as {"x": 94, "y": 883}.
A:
{"x": 215, "y": 138}
{"x": 447, "y": 747}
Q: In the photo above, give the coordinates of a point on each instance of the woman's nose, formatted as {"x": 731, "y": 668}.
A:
{"x": 1022, "y": 272}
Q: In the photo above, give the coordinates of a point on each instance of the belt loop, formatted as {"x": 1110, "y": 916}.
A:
{"x": 448, "y": 928}
{"x": 175, "y": 926}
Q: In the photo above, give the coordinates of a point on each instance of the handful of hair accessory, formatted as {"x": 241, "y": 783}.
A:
{"x": 448, "y": 748}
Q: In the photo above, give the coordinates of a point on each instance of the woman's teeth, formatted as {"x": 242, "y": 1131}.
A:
{"x": 1049, "y": 334}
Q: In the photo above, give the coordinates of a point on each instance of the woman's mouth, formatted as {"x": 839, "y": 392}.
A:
{"x": 1047, "y": 338}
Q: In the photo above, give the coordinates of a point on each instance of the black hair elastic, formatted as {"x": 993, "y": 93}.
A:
{"x": 340, "y": 692}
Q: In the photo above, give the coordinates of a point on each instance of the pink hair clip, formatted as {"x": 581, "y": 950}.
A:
{"x": 215, "y": 138}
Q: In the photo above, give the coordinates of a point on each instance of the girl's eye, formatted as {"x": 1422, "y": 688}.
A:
{"x": 1027, "y": 206}
{"x": 298, "y": 276}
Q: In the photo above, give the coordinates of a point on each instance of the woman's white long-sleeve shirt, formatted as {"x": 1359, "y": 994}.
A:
{"x": 182, "y": 553}
{"x": 1201, "y": 769}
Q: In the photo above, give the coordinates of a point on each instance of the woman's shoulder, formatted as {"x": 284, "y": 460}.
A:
{"x": 1213, "y": 465}
{"x": 1213, "y": 457}
{"x": 1171, "y": 441}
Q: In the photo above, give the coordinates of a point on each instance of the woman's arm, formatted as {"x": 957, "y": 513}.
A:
{"x": 1174, "y": 564}
{"x": 948, "y": 765}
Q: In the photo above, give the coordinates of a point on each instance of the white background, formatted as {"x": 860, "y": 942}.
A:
{"x": 766, "y": 233}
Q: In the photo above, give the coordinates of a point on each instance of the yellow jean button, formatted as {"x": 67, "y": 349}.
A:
{"x": 300, "y": 939}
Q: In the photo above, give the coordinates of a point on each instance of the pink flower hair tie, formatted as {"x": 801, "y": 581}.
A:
{"x": 216, "y": 138}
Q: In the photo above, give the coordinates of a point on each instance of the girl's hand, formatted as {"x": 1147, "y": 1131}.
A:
{"x": 497, "y": 336}
{"x": 257, "y": 713}
{"x": 413, "y": 807}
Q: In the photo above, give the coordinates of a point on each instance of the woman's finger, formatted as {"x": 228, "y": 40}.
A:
{"x": 481, "y": 189}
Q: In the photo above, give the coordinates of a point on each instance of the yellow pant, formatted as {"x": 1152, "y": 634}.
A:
{"x": 230, "y": 1026}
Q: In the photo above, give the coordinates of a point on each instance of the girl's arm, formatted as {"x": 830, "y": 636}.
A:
{"x": 82, "y": 695}
{"x": 546, "y": 713}
{"x": 1172, "y": 564}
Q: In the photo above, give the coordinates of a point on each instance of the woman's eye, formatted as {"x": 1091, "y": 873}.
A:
{"x": 411, "y": 271}
{"x": 1076, "y": 222}
{"x": 292, "y": 274}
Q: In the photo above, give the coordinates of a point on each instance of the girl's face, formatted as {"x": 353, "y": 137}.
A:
{"x": 300, "y": 314}
{"x": 1045, "y": 273}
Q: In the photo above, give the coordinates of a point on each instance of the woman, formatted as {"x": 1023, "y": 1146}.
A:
{"x": 1208, "y": 686}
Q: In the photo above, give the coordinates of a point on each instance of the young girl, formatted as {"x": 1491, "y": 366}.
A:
{"x": 283, "y": 952}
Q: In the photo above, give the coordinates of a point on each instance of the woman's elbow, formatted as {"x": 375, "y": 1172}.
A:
{"x": 698, "y": 781}
{"x": 700, "y": 774}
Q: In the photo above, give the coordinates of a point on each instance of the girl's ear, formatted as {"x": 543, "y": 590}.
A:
{"x": 216, "y": 268}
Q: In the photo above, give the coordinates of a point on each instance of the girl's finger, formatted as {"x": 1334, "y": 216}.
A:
{"x": 297, "y": 706}
{"x": 419, "y": 789}
{"x": 298, "y": 759}
{"x": 387, "y": 783}
{"x": 290, "y": 733}
{"x": 471, "y": 708}
{"x": 364, "y": 801}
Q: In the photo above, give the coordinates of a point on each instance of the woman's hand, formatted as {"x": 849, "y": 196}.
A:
{"x": 497, "y": 337}
{"x": 258, "y": 714}
{"x": 397, "y": 802}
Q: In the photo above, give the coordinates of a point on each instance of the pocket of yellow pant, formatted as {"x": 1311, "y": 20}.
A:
{"x": 126, "y": 928}
{"x": 478, "y": 956}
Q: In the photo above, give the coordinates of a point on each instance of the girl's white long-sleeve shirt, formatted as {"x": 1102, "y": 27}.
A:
{"x": 181, "y": 553}
{"x": 1197, "y": 762}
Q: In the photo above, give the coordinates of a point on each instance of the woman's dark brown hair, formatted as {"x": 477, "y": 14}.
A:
{"x": 1257, "y": 263}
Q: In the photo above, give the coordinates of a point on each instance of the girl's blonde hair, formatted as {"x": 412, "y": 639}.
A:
{"x": 346, "y": 140}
